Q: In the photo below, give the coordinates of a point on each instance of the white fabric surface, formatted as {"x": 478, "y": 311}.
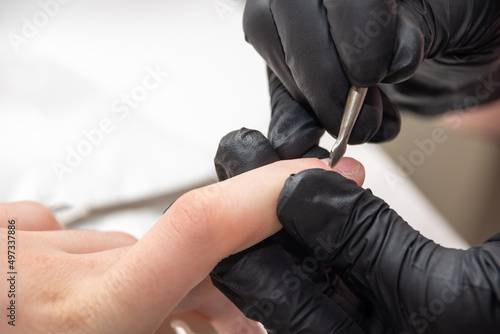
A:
{"x": 69, "y": 76}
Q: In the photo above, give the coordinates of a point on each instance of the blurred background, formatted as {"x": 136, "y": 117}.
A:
{"x": 461, "y": 178}
{"x": 109, "y": 110}
{"x": 165, "y": 79}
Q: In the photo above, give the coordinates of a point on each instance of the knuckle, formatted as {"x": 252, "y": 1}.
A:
{"x": 195, "y": 213}
{"x": 44, "y": 217}
{"x": 41, "y": 218}
{"x": 38, "y": 208}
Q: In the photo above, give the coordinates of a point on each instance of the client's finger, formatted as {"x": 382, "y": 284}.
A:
{"x": 350, "y": 169}
{"x": 30, "y": 216}
{"x": 210, "y": 303}
{"x": 200, "y": 229}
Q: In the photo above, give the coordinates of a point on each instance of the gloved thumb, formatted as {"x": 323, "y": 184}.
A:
{"x": 384, "y": 259}
{"x": 241, "y": 151}
{"x": 349, "y": 229}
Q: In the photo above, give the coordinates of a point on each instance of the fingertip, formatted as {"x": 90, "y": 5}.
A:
{"x": 30, "y": 216}
{"x": 351, "y": 169}
{"x": 368, "y": 65}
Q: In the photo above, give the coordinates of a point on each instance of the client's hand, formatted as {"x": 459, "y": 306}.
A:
{"x": 72, "y": 281}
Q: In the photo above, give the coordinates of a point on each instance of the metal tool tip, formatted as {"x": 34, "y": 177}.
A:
{"x": 337, "y": 152}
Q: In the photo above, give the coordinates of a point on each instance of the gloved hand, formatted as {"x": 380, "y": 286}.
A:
{"x": 448, "y": 51}
{"x": 275, "y": 280}
{"x": 391, "y": 275}
{"x": 414, "y": 284}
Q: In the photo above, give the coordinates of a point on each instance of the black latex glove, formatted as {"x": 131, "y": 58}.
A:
{"x": 316, "y": 48}
{"x": 277, "y": 282}
{"x": 414, "y": 284}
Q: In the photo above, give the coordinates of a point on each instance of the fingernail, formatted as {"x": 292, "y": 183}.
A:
{"x": 346, "y": 166}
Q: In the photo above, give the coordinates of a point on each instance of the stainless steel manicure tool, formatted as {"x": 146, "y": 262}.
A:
{"x": 353, "y": 106}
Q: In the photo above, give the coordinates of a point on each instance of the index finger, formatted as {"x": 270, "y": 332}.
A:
{"x": 200, "y": 229}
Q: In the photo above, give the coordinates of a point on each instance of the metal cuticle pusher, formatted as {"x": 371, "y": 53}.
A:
{"x": 353, "y": 106}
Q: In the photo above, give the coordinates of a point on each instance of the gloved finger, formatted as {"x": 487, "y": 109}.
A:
{"x": 293, "y": 130}
{"x": 317, "y": 152}
{"x": 333, "y": 217}
{"x": 262, "y": 284}
{"x": 461, "y": 56}
{"x": 384, "y": 33}
{"x": 391, "y": 121}
{"x": 241, "y": 151}
{"x": 398, "y": 269}
{"x": 260, "y": 31}
{"x": 408, "y": 51}
{"x": 305, "y": 34}
{"x": 364, "y": 33}
{"x": 324, "y": 279}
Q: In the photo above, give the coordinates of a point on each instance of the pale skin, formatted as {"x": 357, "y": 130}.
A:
{"x": 481, "y": 121}
{"x": 72, "y": 281}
